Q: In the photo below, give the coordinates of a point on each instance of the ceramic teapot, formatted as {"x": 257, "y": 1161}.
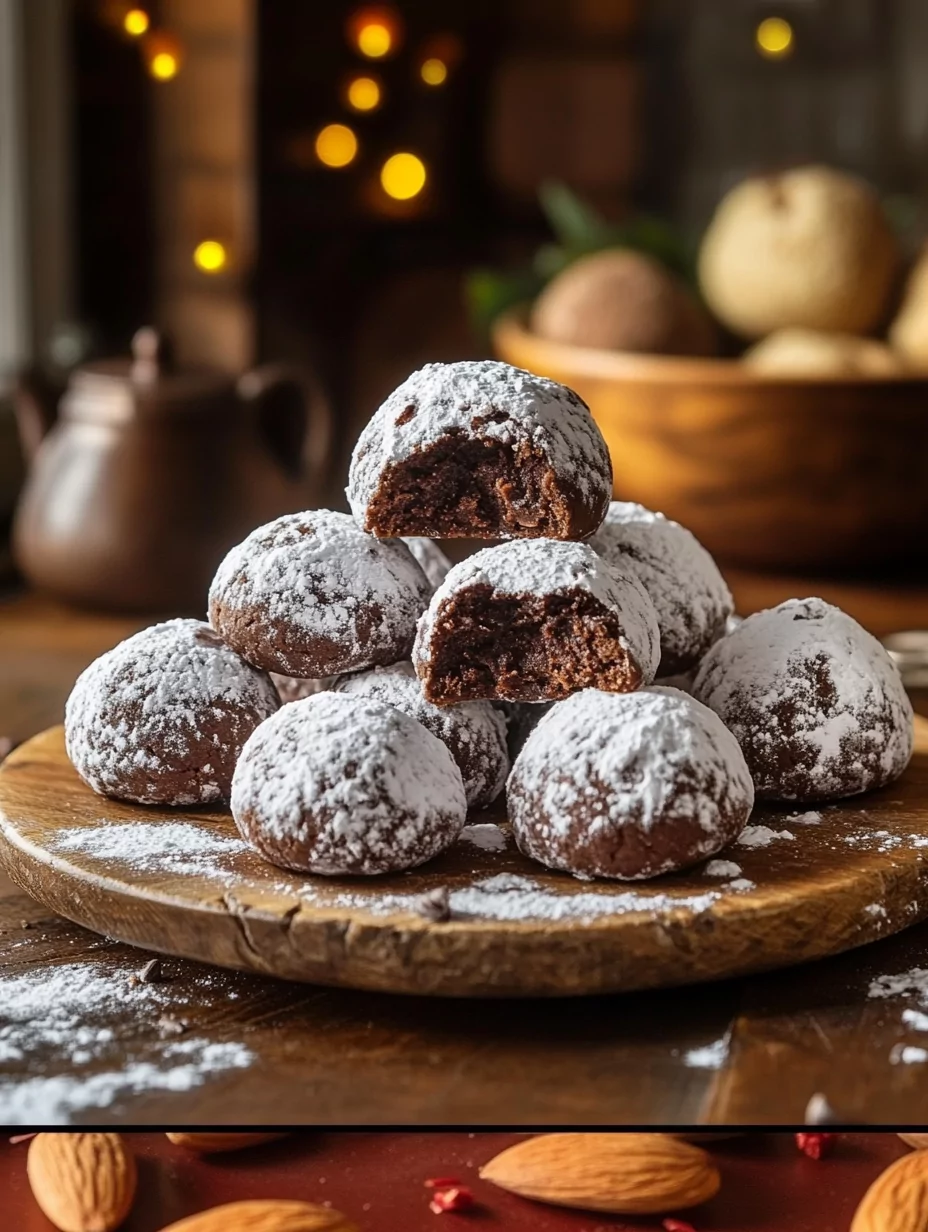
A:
{"x": 148, "y": 475}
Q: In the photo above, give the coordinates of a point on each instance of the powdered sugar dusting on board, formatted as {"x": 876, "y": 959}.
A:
{"x": 169, "y": 707}
{"x": 486, "y": 835}
{"x": 318, "y": 572}
{"x": 693, "y": 602}
{"x": 178, "y": 848}
{"x": 59, "y": 1017}
{"x": 474, "y": 732}
{"x": 761, "y": 836}
{"x": 539, "y": 567}
{"x": 512, "y": 406}
{"x": 352, "y": 784}
{"x": 804, "y": 677}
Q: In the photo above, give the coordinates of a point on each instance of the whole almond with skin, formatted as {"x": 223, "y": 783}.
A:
{"x": 897, "y": 1201}
{"x": 918, "y": 1141}
{"x": 82, "y": 1182}
{"x": 627, "y": 1174}
{"x": 210, "y": 1144}
{"x": 265, "y": 1215}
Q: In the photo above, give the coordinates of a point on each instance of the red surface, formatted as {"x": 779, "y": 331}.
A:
{"x": 378, "y": 1180}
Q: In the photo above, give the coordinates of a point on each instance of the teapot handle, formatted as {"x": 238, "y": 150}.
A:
{"x": 294, "y": 417}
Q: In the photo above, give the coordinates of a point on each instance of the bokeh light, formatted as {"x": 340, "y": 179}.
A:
{"x": 433, "y": 71}
{"x": 363, "y": 93}
{"x": 210, "y": 256}
{"x": 403, "y": 176}
{"x": 774, "y": 38}
{"x": 375, "y": 31}
{"x": 164, "y": 65}
{"x": 136, "y": 22}
{"x": 336, "y": 145}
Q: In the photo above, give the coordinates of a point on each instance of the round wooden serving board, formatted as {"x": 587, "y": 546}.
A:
{"x": 183, "y": 883}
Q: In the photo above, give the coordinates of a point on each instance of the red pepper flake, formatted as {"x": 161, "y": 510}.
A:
{"x": 677, "y": 1225}
{"x": 816, "y": 1146}
{"x": 456, "y": 1199}
{"x": 441, "y": 1182}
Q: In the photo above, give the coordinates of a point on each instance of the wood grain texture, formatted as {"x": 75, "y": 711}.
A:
{"x": 819, "y": 474}
{"x": 810, "y": 900}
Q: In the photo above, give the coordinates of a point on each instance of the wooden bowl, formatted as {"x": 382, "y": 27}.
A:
{"x": 819, "y": 473}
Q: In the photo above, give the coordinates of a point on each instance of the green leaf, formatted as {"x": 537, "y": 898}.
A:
{"x": 574, "y": 223}
{"x": 488, "y": 293}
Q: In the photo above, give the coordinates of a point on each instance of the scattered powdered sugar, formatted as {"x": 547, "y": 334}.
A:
{"x": 815, "y": 701}
{"x": 605, "y": 762}
{"x": 58, "y": 1016}
{"x": 877, "y": 910}
{"x": 317, "y": 574}
{"x": 722, "y": 868}
{"x": 540, "y": 567}
{"x": 432, "y": 560}
{"x": 711, "y": 1056}
{"x": 175, "y": 847}
{"x": 908, "y": 1054}
{"x": 913, "y": 982}
{"x": 486, "y": 835}
{"x": 482, "y": 400}
{"x": 683, "y": 581}
{"x": 810, "y": 818}
{"x": 161, "y": 717}
{"x": 915, "y": 1019}
{"x": 474, "y": 732}
{"x": 761, "y": 836}
{"x": 347, "y": 784}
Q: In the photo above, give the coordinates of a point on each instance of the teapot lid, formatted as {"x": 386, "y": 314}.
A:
{"x": 148, "y": 381}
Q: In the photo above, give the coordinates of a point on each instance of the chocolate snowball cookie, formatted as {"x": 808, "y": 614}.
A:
{"x": 475, "y": 732}
{"x": 339, "y": 784}
{"x": 534, "y": 621}
{"x": 311, "y": 595}
{"x": 683, "y": 581}
{"x": 481, "y": 450}
{"x": 628, "y": 786}
{"x": 815, "y": 701}
{"x": 432, "y": 560}
{"x": 162, "y": 717}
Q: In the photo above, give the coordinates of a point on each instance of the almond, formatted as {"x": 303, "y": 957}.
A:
{"x": 209, "y": 1144}
{"x": 82, "y": 1182}
{"x": 897, "y": 1201}
{"x": 628, "y": 1174}
{"x": 918, "y": 1141}
{"x": 265, "y": 1215}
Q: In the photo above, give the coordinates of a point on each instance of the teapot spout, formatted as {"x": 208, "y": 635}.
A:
{"x": 35, "y": 404}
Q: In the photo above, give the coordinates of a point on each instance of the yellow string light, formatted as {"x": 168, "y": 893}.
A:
{"x": 164, "y": 65}
{"x": 403, "y": 176}
{"x": 774, "y": 38}
{"x": 210, "y": 256}
{"x": 364, "y": 94}
{"x": 336, "y": 145}
{"x": 136, "y": 22}
{"x": 433, "y": 71}
{"x": 374, "y": 40}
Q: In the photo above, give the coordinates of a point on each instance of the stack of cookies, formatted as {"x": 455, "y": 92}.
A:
{"x": 408, "y": 672}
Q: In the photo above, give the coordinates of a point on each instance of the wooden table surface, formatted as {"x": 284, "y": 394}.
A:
{"x": 744, "y": 1051}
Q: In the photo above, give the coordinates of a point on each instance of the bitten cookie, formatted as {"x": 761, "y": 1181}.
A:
{"x": 628, "y": 786}
{"x": 816, "y": 703}
{"x": 311, "y": 595}
{"x": 161, "y": 718}
{"x": 683, "y": 581}
{"x": 339, "y": 784}
{"x": 481, "y": 450}
{"x": 475, "y": 732}
{"x": 535, "y": 621}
